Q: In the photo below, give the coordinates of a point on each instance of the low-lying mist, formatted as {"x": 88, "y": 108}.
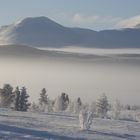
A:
{"x": 97, "y": 51}
{"x": 85, "y": 79}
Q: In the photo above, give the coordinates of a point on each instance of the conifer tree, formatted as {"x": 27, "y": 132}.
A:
{"x": 79, "y": 101}
{"x": 77, "y": 105}
{"x": 65, "y": 101}
{"x": 17, "y": 99}
{"x": 43, "y": 100}
{"x": 102, "y": 106}
{"x": 24, "y": 105}
{"x": 43, "y": 97}
{"x": 7, "y": 95}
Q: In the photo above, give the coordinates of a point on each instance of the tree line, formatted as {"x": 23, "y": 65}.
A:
{"x": 18, "y": 99}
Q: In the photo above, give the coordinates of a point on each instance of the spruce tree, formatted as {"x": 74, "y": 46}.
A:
{"x": 17, "y": 99}
{"x": 24, "y": 105}
{"x": 79, "y": 102}
{"x": 43, "y": 100}
{"x": 65, "y": 101}
{"x": 77, "y": 105}
{"x": 102, "y": 106}
{"x": 7, "y": 95}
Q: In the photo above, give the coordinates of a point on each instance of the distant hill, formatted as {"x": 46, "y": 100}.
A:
{"x": 43, "y": 32}
{"x": 19, "y": 51}
{"x": 26, "y": 52}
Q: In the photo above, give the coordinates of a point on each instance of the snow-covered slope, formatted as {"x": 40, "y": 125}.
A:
{"x": 61, "y": 126}
{"x": 44, "y": 32}
{"x": 41, "y": 31}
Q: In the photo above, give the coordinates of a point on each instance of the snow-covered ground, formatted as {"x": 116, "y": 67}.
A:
{"x": 61, "y": 126}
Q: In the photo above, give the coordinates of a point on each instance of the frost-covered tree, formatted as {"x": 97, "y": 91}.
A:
{"x": 43, "y": 100}
{"x": 58, "y": 105}
{"x": 61, "y": 102}
{"x": 127, "y": 107}
{"x": 93, "y": 108}
{"x": 135, "y": 107}
{"x": 70, "y": 107}
{"x": 102, "y": 106}
{"x": 17, "y": 99}
{"x": 116, "y": 109}
{"x": 43, "y": 97}
{"x": 49, "y": 107}
{"x": 85, "y": 119}
{"x": 7, "y": 95}
{"x": 24, "y": 104}
{"x": 35, "y": 107}
{"x": 65, "y": 101}
{"x": 77, "y": 106}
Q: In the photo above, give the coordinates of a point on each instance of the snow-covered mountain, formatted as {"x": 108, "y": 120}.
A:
{"x": 43, "y": 32}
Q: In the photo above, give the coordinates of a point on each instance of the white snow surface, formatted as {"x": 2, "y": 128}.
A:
{"x": 62, "y": 126}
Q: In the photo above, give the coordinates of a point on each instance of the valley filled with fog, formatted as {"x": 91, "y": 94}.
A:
{"x": 85, "y": 74}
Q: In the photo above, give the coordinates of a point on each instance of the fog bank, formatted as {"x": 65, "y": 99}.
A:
{"x": 87, "y": 79}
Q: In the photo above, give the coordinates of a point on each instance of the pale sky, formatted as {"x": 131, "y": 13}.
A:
{"x": 93, "y": 14}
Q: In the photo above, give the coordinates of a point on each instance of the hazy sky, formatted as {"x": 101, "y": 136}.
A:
{"x": 95, "y": 14}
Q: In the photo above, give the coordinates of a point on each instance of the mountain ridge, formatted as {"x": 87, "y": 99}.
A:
{"x": 44, "y": 32}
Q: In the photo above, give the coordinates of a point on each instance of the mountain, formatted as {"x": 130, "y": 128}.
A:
{"x": 44, "y": 32}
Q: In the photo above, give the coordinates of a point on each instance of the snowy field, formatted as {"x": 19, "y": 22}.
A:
{"x": 41, "y": 126}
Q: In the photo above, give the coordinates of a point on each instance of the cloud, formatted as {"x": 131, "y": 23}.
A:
{"x": 97, "y": 22}
{"x": 129, "y": 22}
{"x": 77, "y": 18}
{"x": 94, "y": 19}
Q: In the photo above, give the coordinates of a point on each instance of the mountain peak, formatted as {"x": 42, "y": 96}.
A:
{"x": 42, "y": 20}
{"x": 27, "y": 19}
